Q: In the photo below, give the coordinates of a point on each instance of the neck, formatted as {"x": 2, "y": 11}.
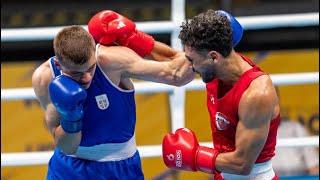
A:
{"x": 232, "y": 68}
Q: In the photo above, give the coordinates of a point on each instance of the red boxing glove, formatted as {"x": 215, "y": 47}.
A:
{"x": 181, "y": 151}
{"x": 108, "y": 27}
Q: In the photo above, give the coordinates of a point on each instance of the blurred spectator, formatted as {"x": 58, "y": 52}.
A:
{"x": 295, "y": 161}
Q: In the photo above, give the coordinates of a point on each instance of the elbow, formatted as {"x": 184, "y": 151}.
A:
{"x": 243, "y": 163}
{"x": 67, "y": 150}
{"x": 245, "y": 169}
{"x": 70, "y": 152}
{"x": 242, "y": 166}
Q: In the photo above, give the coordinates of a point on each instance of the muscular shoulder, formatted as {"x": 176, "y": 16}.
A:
{"x": 260, "y": 88}
{"x": 259, "y": 100}
{"x": 40, "y": 81}
{"x": 42, "y": 75}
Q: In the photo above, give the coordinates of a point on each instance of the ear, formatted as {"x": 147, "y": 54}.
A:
{"x": 214, "y": 55}
{"x": 56, "y": 62}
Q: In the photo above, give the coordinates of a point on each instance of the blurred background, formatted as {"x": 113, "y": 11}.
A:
{"x": 276, "y": 50}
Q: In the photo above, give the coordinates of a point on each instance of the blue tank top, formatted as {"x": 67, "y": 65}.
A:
{"x": 110, "y": 112}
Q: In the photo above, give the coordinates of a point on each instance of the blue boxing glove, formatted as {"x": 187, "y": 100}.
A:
{"x": 237, "y": 30}
{"x": 68, "y": 97}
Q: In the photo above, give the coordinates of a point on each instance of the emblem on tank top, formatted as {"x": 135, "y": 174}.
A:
{"x": 221, "y": 121}
{"x": 212, "y": 99}
{"x": 102, "y": 101}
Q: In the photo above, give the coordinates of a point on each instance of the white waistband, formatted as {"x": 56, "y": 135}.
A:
{"x": 259, "y": 171}
{"x": 108, "y": 152}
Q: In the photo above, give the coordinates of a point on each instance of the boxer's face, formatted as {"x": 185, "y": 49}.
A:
{"x": 202, "y": 64}
{"x": 83, "y": 73}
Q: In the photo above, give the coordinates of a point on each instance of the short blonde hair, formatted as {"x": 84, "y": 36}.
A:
{"x": 73, "y": 44}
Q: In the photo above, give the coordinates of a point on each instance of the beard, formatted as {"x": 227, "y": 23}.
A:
{"x": 208, "y": 74}
{"x": 207, "y": 77}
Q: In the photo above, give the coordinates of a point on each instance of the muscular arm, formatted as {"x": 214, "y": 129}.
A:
{"x": 176, "y": 72}
{"x": 41, "y": 78}
{"x": 162, "y": 52}
{"x": 256, "y": 109}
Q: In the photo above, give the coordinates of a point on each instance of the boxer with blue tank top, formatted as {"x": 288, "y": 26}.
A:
{"x": 108, "y": 126}
{"x": 88, "y": 98}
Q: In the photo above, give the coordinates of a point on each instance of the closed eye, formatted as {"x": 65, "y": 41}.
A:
{"x": 189, "y": 59}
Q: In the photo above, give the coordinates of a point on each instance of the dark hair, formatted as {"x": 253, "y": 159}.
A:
{"x": 208, "y": 31}
{"x": 73, "y": 44}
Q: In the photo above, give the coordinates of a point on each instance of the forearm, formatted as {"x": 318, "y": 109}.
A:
{"x": 67, "y": 142}
{"x": 175, "y": 74}
{"x": 162, "y": 52}
{"x": 232, "y": 163}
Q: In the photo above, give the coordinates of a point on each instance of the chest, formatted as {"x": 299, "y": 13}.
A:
{"x": 222, "y": 106}
{"x": 108, "y": 92}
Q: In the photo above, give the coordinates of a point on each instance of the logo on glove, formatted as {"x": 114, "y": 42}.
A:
{"x": 178, "y": 158}
{"x": 121, "y": 25}
{"x": 170, "y": 157}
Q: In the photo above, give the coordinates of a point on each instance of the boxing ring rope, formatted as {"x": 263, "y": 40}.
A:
{"x": 14, "y": 94}
{"x": 176, "y": 95}
{"x": 42, "y": 158}
{"x": 159, "y": 27}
